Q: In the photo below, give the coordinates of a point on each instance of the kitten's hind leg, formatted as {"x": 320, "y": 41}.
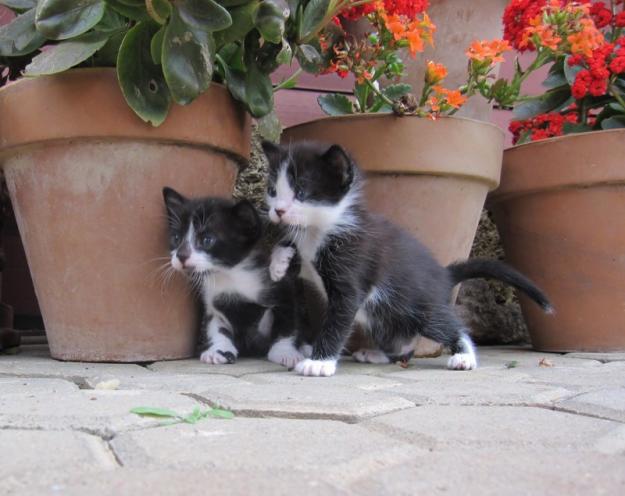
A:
{"x": 444, "y": 327}
{"x": 285, "y": 353}
{"x": 464, "y": 357}
{"x": 221, "y": 349}
{"x": 281, "y": 257}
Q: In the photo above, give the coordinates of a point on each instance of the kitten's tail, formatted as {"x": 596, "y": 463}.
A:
{"x": 494, "y": 269}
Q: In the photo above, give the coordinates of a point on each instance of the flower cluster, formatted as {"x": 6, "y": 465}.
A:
{"x": 395, "y": 25}
{"x": 541, "y": 126}
{"x": 582, "y": 41}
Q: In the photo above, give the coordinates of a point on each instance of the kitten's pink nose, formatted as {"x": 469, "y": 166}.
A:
{"x": 280, "y": 212}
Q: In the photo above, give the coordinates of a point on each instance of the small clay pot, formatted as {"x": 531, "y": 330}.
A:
{"x": 85, "y": 176}
{"x": 560, "y": 211}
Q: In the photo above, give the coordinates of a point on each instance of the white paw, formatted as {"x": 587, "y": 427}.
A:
{"x": 280, "y": 260}
{"x": 306, "y": 350}
{"x": 219, "y": 355}
{"x": 316, "y": 368}
{"x": 371, "y": 356}
{"x": 283, "y": 352}
{"x": 462, "y": 361}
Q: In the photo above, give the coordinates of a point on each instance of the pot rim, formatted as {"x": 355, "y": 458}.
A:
{"x": 558, "y": 167}
{"x": 98, "y": 111}
{"x": 386, "y": 115}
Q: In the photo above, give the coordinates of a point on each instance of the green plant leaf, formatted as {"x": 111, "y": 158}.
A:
{"x": 285, "y": 56}
{"x": 614, "y": 122}
{"x": 134, "y": 12}
{"x": 232, "y": 3}
{"x": 314, "y": 12}
{"x": 335, "y": 104}
{"x": 242, "y": 23}
{"x": 187, "y": 60}
{"x": 308, "y": 58}
{"x": 235, "y": 82}
{"x": 154, "y": 411}
{"x": 107, "y": 55}
{"x": 19, "y": 4}
{"x": 203, "y": 14}
{"x": 394, "y": 91}
{"x": 547, "y": 102}
{"x": 140, "y": 79}
{"x": 217, "y": 412}
{"x": 19, "y": 37}
{"x": 569, "y": 128}
{"x": 258, "y": 92}
{"x": 62, "y": 19}
{"x": 156, "y": 46}
{"x": 270, "y": 19}
{"x": 158, "y": 10}
{"x": 270, "y": 127}
{"x": 66, "y": 54}
{"x": 111, "y": 21}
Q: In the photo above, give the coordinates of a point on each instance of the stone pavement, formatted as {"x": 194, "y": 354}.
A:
{"x": 512, "y": 427}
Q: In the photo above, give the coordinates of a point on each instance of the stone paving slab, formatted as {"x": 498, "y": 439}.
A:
{"x": 604, "y": 403}
{"x": 507, "y": 428}
{"x": 313, "y": 398}
{"x": 294, "y": 381}
{"x": 244, "y": 366}
{"x": 199, "y": 481}
{"x": 53, "y": 404}
{"x": 610, "y": 374}
{"x": 339, "y": 451}
{"x": 35, "y": 361}
{"x": 498, "y": 473}
{"x": 50, "y": 456}
{"x": 180, "y": 383}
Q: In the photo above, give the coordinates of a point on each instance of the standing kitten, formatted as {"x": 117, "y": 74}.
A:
{"x": 369, "y": 271}
{"x": 220, "y": 246}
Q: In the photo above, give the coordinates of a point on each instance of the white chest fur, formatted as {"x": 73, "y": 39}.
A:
{"x": 308, "y": 247}
{"x": 241, "y": 280}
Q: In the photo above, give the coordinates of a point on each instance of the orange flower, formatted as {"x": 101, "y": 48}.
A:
{"x": 415, "y": 42}
{"x": 488, "y": 51}
{"x": 395, "y": 26}
{"x": 435, "y": 73}
{"x": 586, "y": 40}
{"x": 452, "y": 98}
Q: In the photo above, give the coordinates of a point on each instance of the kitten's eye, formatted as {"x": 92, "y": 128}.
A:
{"x": 299, "y": 193}
{"x": 271, "y": 190}
{"x": 175, "y": 239}
{"x": 207, "y": 241}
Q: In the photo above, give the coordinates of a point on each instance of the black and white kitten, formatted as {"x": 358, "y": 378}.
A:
{"x": 220, "y": 245}
{"x": 369, "y": 271}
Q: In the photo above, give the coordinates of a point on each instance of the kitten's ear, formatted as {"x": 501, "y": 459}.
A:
{"x": 272, "y": 151}
{"x": 173, "y": 200}
{"x": 338, "y": 160}
{"x": 247, "y": 216}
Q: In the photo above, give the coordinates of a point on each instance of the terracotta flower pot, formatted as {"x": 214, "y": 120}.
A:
{"x": 85, "y": 178}
{"x": 561, "y": 214}
{"x": 431, "y": 177}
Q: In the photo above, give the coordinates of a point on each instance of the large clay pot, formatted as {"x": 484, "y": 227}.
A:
{"x": 561, "y": 214}
{"x": 431, "y": 177}
{"x": 85, "y": 177}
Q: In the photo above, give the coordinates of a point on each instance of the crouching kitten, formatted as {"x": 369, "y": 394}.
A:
{"x": 220, "y": 246}
{"x": 369, "y": 271}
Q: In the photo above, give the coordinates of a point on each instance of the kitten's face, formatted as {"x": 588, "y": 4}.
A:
{"x": 308, "y": 183}
{"x": 211, "y": 234}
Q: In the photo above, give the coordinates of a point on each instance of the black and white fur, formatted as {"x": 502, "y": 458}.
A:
{"x": 368, "y": 270}
{"x": 220, "y": 245}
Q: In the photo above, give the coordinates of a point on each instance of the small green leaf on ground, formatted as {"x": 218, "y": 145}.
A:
{"x": 149, "y": 411}
{"x": 174, "y": 418}
{"x": 511, "y": 365}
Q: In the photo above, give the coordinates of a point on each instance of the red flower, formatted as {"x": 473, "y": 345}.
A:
{"x": 617, "y": 66}
{"x": 600, "y": 14}
{"x": 409, "y": 8}
{"x": 598, "y": 87}
{"x": 581, "y": 84}
{"x": 619, "y": 20}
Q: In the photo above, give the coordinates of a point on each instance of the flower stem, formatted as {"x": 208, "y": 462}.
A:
{"x": 384, "y": 98}
{"x": 287, "y": 82}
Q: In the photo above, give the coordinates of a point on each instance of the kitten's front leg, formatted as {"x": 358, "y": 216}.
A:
{"x": 342, "y": 306}
{"x": 281, "y": 257}
{"x": 220, "y": 347}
